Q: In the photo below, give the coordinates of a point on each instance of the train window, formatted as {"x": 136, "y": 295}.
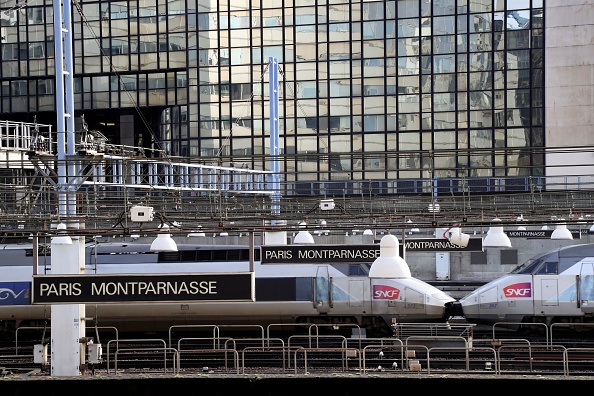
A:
{"x": 208, "y": 255}
{"x": 187, "y": 256}
{"x": 550, "y": 267}
{"x": 231, "y": 255}
{"x": 169, "y": 256}
{"x": 276, "y": 289}
{"x": 528, "y": 267}
{"x": 356, "y": 270}
{"x": 203, "y": 255}
{"x": 245, "y": 255}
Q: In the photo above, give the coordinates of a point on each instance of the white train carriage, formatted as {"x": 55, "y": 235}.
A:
{"x": 552, "y": 287}
{"x": 346, "y": 293}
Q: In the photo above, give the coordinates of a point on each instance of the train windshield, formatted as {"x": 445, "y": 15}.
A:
{"x": 528, "y": 267}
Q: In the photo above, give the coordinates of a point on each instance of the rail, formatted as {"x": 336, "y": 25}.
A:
{"x": 430, "y": 354}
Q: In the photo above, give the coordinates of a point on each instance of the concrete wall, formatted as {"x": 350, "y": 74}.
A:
{"x": 569, "y": 82}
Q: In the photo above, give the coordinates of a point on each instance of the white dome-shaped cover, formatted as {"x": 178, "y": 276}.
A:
{"x": 389, "y": 264}
{"x": 303, "y": 237}
{"x": 496, "y": 237}
{"x": 561, "y": 232}
{"x": 163, "y": 242}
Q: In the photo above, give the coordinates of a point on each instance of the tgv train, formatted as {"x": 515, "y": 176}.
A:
{"x": 299, "y": 293}
{"x": 552, "y": 287}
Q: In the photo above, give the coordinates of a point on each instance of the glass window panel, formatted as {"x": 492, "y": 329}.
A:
{"x": 408, "y": 46}
{"x": 518, "y": 137}
{"x": 373, "y": 86}
{"x": 480, "y": 100}
{"x": 500, "y": 118}
{"x": 374, "y": 67}
{"x": 339, "y": 32}
{"x": 409, "y": 122}
{"x": 408, "y": 27}
{"x": 408, "y": 103}
{"x": 340, "y": 88}
{"x": 408, "y": 8}
{"x": 306, "y": 52}
{"x": 462, "y": 100}
{"x": 480, "y": 23}
{"x": 374, "y": 123}
{"x": 537, "y": 97}
{"x": 518, "y": 59}
{"x": 426, "y": 46}
{"x": 408, "y": 84}
{"x": 479, "y": 42}
{"x": 461, "y": 24}
{"x": 240, "y": 56}
{"x": 462, "y": 82}
{"x": 426, "y": 64}
{"x": 444, "y": 83}
{"x": 517, "y": 39}
{"x": 462, "y": 124}
{"x": 518, "y": 20}
{"x": 444, "y": 121}
{"x": 444, "y": 63}
{"x": 499, "y": 60}
{"x": 444, "y": 25}
{"x": 481, "y": 118}
{"x": 499, "y": 99}
{"x": 373, "y": 10}
{"x": 408, "y": 65}
{"x": 480, "y": 80}
{"x": 519, "y": 98}
{"x": 517, "y": 4}
{"x": 444, "y": 44}
{"x": 373, "y": 49}
{"x": 373, "y": 30}
{"x": 481, "y": 61}
{"x": 444, "y": 7}
{"x": 373, "y": 105}
{"x": 444, "y": 101}
{"x": 338, "y": 13}
{"x": 426, "y": 121}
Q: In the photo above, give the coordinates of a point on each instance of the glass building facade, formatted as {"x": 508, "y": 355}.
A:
{"x": 375, "y": 96}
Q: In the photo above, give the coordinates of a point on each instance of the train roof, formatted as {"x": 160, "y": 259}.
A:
{"x": 563, "y": 258}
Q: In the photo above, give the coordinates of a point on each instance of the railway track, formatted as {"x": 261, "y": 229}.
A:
{"x": 424, "y": 352}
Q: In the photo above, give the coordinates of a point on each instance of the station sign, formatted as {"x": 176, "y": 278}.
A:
{"x": 318, "y": 254}
{"x": 441, "y": 245}
{"x": 123, "y": 288}
{"x": 352, "y": 254}
{"x": 540, "y": 234}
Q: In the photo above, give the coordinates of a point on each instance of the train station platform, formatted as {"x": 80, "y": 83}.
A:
{"x": 337, "y": 384}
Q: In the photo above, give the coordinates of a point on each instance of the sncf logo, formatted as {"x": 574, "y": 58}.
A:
{"x": 383, "y": 292}
{"x": 518, "y": 290}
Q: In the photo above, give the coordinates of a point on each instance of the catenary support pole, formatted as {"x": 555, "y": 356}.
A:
{"x": 67, "y": 320}
{"x": 274, "y": 138}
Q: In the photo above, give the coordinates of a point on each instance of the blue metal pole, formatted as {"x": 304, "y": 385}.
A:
{"x": 274, "y": 138}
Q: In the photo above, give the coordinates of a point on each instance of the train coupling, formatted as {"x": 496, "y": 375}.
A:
{"x": 453, "y": 308}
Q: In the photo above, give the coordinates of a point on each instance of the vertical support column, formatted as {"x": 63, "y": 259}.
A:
{"x": 67, "y": 320}
{"x": 274, "y": 138}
